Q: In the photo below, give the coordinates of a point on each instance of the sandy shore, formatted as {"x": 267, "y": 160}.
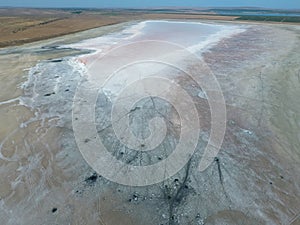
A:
{"x": 45, "y": 180}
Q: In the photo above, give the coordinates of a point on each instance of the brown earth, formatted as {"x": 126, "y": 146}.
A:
{"x": 19, "y": 26}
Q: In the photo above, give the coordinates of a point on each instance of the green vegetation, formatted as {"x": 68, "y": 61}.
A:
{"x": 292, "y": 19}
{"x": 77, "y": 12}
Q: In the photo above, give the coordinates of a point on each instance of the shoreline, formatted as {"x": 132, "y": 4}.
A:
{"x": 134, "y": 32}
{"x": 20, "y": 43}
{"x": 38, "y": 26}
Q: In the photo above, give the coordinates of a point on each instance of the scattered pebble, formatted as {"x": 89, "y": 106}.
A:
{"x": 54, "y": 210}
{"x": 92, "y": 179}
{"x": 49, "y": 94}
{"x": 248, "y": 132}
{"x": 135, "y": 197}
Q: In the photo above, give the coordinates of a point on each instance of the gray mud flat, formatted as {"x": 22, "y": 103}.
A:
{"x": 254, "y": 179}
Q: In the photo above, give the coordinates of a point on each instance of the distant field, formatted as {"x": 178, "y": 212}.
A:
{"x": 290, "y": 19}
{"x": 19, "y": 26}
{"x": 256, "y": 12}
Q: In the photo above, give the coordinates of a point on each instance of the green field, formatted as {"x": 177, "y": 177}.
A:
{"x": 291, "y": 19}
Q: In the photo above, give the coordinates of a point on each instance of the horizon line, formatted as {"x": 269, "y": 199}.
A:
{"x": 152, "y": 7}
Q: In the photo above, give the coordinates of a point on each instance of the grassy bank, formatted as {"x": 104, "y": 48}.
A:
{"x": 289, "y": 19}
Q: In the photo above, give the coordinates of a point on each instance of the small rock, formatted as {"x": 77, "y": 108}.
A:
{"x": 248, "y": 132}
{"x": 49, "y": 94}
{"x": 122, "y": 152}
{"x": 92, "y": 179}
{"x": 54, "y": 210}
{"x": 135, "y": 197}
{"x": 56, "y": 60}
{"x": 231, "y": 122}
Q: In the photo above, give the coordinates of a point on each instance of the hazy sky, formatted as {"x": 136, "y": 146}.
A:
{"x": 291, "y": 4}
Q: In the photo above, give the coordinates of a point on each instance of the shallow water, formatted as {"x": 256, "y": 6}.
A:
{"x": 193, "y": 35}
{"x": 134, "y": 43}
{"x": 186, "y": 34}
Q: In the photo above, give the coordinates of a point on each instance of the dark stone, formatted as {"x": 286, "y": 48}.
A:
{"x": 92, "y": 179}
{"x": 135, "y": 197}
{"x": 49, "y": 94}
{"x": 54, "y": 210}
{"x": 56, "y": 60}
